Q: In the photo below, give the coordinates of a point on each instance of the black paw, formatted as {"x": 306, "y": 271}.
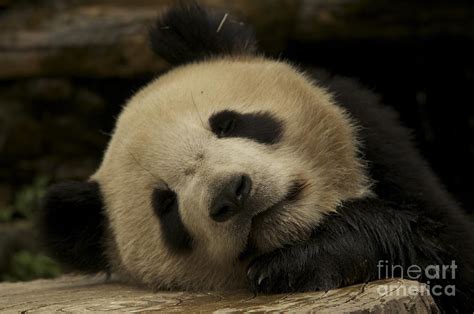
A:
{"x": 278, "y": 272}
{"x": 270, "y": 274}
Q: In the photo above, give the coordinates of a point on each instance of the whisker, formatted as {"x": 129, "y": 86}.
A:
{"x": 137, "y": 162}
{"x": 222, "y": 23}
{"x": 109, "y": 134}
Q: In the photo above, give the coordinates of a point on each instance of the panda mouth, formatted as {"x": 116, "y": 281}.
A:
{"x": 293, "y": 194}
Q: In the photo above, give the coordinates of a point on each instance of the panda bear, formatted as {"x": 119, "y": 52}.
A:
{"x": 233, "y": 170}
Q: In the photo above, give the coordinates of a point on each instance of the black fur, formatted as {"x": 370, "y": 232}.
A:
{"x": 72, "y": 225}
{"x": 187, "y": 33}
{"x": 174, "y": 232}
{"x": 412, "y": 221}
{"x": 261, "y": 127}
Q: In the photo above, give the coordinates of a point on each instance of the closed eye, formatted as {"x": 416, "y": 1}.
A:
{"x": 164, "y": 201}
{"x": 165, "y": 205}
{"x": 261, "y": 127}
{"x": 225, "y": 127}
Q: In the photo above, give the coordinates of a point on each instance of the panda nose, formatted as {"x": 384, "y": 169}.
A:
{"x": 230, "y": 197}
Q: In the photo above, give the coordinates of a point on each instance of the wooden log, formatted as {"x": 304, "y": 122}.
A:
{"x": 76, "y": 40}
{"x": 80, "y": 294}
{"x": 102, "y": 38}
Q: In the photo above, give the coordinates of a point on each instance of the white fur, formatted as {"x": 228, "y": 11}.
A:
{"x": 163, "y": 137}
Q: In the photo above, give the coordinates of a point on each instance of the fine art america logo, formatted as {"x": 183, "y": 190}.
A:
{"x": 432, "y": 275}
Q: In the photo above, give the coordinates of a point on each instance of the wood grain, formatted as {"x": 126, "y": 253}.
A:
{"x": 104, "y": 38}
{"x": 84, "y": 294}
{"x": 100, "y": 38}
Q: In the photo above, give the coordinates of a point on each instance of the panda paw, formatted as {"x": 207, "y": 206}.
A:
{"x": 270, "y": 274}
{"x": 278, "y": 272}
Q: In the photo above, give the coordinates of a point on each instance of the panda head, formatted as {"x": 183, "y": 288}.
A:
{"x": 227, "y": 156}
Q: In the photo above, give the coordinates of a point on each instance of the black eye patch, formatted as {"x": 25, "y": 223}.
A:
{"x": 261, "y": 127}
{"x": 175, "y": 234}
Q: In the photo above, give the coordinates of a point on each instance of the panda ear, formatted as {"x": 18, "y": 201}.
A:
{"x": 72, "y": 224}
{"x": 187, "y": 33}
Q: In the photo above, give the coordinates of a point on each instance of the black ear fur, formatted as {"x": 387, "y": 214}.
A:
{"x": 72, "y": 224}
{"x": 187, "y": 32}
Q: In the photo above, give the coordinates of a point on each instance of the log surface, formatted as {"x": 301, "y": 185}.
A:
{"x": 81, "y": 294}
{"x": 104, "y": 38}
{"x": 100, "y": 38}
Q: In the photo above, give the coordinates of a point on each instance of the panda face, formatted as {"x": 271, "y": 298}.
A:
{"x": 221, "y": 158}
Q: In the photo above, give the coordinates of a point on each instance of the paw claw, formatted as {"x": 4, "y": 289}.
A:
{"x": 260, "y": 279}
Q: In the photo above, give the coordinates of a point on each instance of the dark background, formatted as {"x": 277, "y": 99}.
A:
{"x": 67, "y": 67}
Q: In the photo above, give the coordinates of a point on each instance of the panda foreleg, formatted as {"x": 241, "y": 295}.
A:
{"x": 357, "y": 244}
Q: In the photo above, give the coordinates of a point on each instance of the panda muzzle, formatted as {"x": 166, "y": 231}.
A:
{"x": 230, "y": 197}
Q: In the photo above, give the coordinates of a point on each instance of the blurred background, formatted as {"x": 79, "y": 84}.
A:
{"x": 67, "y": 67}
